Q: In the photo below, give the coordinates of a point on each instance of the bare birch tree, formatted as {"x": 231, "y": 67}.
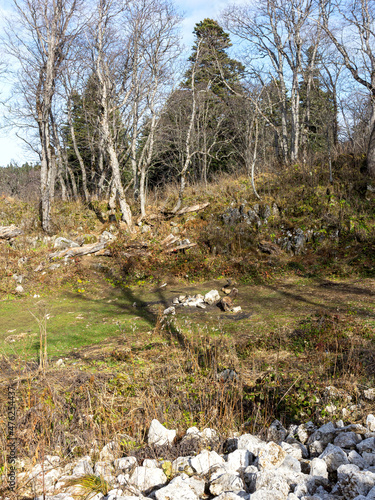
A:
{"x": 111, "y": 60}
{"x": 155, "y": 47}
{"x": 40, "y": 36}
{"x": 354, "y": 38}
{"x": 276, "y": 31}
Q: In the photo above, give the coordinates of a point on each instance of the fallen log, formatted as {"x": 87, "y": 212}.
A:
{"x": 193, "y": 208}
{"x": 7, "y": 232}
{"x": 78, "y": 251}
{"x": 180, "y": 247}
{"x": 169, "y": 240}
{"x": 186, "y": 210}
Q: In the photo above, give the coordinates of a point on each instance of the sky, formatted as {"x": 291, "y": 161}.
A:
{"x": 14, "y": 149}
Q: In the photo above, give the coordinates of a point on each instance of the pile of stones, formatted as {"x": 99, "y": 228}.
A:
{"x": 332, "y": 462}
{"x": 202, "y": 301}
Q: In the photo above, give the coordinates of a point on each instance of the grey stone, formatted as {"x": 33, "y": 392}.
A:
{"x": 356, "y": 459}
{"x": 292, "y": 450}
{"x": 347, "y": 440}
{"x": 369, "y": 458}
{"x": 182, "y": 464}
{"x": 177, "y": 489}
{"x": 250, "y": 443}
{"x": 291, "y": 463}
{"x": 227, "y": 375}
{"x": 83, "y": 466}
{"x": 104, "y": 469}
{"x": 304, "y": 431}
{"x": 232, "y": 216}
{"x": 106, "y": 236}
{"x": 353, "y": 482}
{"x": 366, "y": 445}
{"x": 297, "y": 445}
{"x": 62, "y": 243}
{"x": 230, "y": 495}
{"x": 334, "y": 457}
{"x": 272, "y": 480}
{"x": 150, "y": 462}
{"x": 276, "y": 432}
{"x": 226, "y": 482}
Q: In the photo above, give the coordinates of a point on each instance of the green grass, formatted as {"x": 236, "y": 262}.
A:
{"x": 77, "y": 320}
{"x": 74, "y": 321}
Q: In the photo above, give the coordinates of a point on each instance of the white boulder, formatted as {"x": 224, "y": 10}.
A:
{"x": 158, "y": 435}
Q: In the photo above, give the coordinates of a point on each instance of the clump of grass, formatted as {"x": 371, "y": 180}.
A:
{"x": 91, "y": 484}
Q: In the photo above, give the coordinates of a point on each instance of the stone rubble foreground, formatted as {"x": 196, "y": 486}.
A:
{"x": 333, "y": 462}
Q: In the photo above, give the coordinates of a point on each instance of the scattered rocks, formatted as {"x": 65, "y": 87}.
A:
{"x": 253, "y": 469}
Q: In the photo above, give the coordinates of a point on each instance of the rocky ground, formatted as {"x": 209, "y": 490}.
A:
{"x": 333, "y": 462}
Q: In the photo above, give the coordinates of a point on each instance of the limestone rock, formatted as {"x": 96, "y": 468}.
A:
{"x": 272, "y": 480}
{"x": 226, "y": 304}
{"x": 203, "y": 462}
{"x": 369, "y": 394}
{"x": 230, "y": 495}
{"x": 304, "y": 431}
{"x": 170, "y": 310}
{"x": 239, "y": 459}
{"x": 353, "y": 482}
{"x": 83, "y": 466}
{"x": 370, "y": 422}
{"x": 226, "y": 482}
{"x": 145, "y": 479}
{"x": 176, "y": 491}
{"x": 356, "y": 459}
{"x": 110, "y": 452}
{"x": 125, "y": 463}
{"x": 250, "y": 443}
{"x": 182, "y": 464}
{"x": 265, "y": 494}
{"x": 271, "y": 456}
{"x": 334, "y": 457}
{"x": 366, "y": 445}
{"x": 158, "y": 435}
{"x": 319, "y": 468}
{"x": 292, "y": 450}
{"x": 212, "y": 297}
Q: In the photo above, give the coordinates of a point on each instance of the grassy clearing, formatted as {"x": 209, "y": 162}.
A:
{"x": 292, "y": 340}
